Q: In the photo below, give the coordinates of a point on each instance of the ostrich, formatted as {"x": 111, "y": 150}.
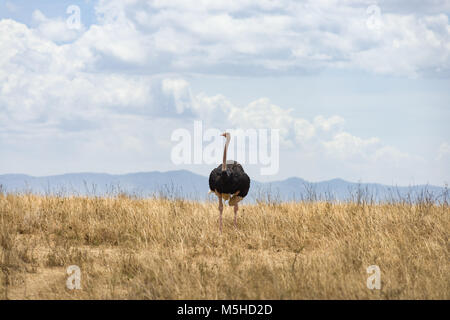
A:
{"x": 229, "y": 182}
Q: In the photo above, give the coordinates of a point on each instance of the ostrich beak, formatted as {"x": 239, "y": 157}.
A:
{"x": 223, "y": 134}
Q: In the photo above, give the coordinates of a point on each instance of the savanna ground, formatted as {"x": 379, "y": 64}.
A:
{"x": 130, "y": 248}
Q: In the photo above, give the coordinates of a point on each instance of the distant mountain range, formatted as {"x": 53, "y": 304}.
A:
{"x": 185, "y": 184}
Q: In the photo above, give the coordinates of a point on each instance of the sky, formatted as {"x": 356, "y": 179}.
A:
{"x": 359, "y": 90}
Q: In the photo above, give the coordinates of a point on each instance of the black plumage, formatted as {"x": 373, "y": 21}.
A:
{"x": 232, "y": 180}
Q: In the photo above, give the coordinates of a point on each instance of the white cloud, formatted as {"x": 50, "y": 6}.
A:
{"x": 179, "y": 90}
{"x": 45, "y": 83}
{"x": 307, "y": 35}
{"x": 248, "y": 37}
{"x": 252, "y": 36}
{"x": 443, "y": 151}
{"x": 55, "y": 29}
{"x": 322, "y": 136}
{"x": 328, "y": 124}
{"x": 344, "y": 145}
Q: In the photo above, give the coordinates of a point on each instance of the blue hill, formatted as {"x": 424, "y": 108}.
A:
{"x": 186, "y": 184}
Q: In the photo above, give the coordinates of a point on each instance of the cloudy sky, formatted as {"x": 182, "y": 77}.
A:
{"x": 359, "y": 90}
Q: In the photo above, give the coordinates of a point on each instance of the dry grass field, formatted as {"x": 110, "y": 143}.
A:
{"x": 170, "y": 249}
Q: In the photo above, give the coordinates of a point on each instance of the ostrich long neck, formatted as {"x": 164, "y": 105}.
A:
{"x": 224, "y": 163}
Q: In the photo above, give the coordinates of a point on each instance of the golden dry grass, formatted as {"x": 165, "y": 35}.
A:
{"x": 170, "y": 249}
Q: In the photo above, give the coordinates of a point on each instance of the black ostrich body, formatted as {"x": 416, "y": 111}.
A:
{"x": 231, "y": 181}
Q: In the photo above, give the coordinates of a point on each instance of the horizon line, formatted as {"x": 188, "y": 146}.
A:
{"x": 197, "y": 174}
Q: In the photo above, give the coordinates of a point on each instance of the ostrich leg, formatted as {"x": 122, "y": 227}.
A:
{"x": 236, "y": 207}
{"x": 220, "y": 211}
